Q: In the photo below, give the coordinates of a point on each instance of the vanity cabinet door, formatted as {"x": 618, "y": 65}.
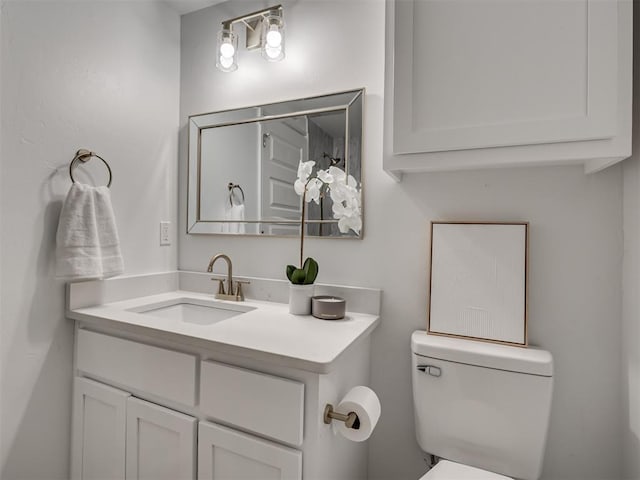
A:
{"x": 224, "y": 453}
{"x": 160, "y": 442}
{"x": 98, "y": 431}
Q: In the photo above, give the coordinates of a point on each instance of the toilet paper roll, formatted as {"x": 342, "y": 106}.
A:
{"x": 366, "y": 404}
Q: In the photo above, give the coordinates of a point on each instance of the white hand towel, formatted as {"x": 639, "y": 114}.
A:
{"x": 235, "y": 215}
{"x": 87, "y": 238}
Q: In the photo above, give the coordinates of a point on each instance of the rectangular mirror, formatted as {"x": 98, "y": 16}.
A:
{"x": 243, "y": 164}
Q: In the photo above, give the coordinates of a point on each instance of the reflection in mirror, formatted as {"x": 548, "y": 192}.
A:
{"x": 243, "y": 164}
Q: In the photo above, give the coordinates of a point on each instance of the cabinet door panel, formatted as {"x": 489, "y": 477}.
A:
{"x": 471, "y": 75}
{"x": 160, "y": 443}
{"x": 227, "y": 454}
{"x": 98, "y": 438}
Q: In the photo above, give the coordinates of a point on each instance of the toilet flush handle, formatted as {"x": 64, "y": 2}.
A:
{"x": 431, "y": 370}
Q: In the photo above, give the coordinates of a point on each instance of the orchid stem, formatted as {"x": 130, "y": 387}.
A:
{"x": 304, "y": 209}
{"x": 304, "y": 203}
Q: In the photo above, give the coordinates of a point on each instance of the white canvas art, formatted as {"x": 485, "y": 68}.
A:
{"x": 478, "y": 281}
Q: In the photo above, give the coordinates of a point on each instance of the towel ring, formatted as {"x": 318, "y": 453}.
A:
{"x": 84, "y": 156}
{"x": 231, "y": 186}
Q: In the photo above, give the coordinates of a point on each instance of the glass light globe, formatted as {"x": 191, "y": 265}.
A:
{"x": 226, "y": 62}
{"x": 274, "y": 38}
{"x": 227, "y": 50}
{"x": 273, "y": 52}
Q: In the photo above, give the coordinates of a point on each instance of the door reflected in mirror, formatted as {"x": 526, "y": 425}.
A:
{"x": 243, "y": 164}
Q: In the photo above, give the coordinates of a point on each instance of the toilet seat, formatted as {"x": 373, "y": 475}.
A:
{"x": 446, "y": 470}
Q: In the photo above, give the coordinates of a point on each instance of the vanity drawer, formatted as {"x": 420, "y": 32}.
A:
{"x": 158, "y": 371}
{"x": 261, "y": 403}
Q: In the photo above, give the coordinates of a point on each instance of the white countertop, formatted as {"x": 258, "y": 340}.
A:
{"x": 268, "y": 333}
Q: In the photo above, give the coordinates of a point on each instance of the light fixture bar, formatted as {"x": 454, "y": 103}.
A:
{"x": 253, "y": 33}
{"x": 252, "y": 15}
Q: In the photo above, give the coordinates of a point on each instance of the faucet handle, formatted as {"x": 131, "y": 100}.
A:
{"x": 239, "y": 293}
{"x": 220, "y": 285}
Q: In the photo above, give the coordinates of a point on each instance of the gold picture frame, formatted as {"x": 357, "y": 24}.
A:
{"x": 478, "y": 281}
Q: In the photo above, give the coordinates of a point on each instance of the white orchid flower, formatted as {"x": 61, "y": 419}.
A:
{"x": 342, "y": 188}
{"x": 348, "y": 213}
{"x": 338, "y": 174}
{"x": 348, "y": 217}
{"x": 304, "y": 170}
{"x": 339, "y": 211}
{"x": 299, "y": 186}
{"x": 339, "y": 192}
{"x": 342, "y": 192}
{"x": 354, "y": 223}
{"x": 325, "y": 177}
{"x": 313, "y": 190}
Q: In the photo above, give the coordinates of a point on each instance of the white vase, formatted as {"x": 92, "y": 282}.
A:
{"x": 300, "y": 299}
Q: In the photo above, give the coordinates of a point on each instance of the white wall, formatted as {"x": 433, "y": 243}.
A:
{"x": 576, "y": 235}
{"x": 1, "y": 242}
{"x": 631, "y": 319}
{"x": 631, "y": 289}
{"x": 96, "y": 75}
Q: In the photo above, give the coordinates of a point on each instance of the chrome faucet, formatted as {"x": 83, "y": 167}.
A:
{"x": 229, "y": 294}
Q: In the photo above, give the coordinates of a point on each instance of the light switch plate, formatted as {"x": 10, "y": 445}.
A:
{"x": 165, "y": 233}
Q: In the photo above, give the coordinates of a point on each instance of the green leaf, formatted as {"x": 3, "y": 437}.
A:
{"x": 310, "y": 268}
{"x": 305, "y": 275}
{"x": 298, "y": 276}
{"x": 290, "y": 270}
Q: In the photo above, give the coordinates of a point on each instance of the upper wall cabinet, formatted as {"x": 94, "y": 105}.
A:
{"x": 507, "y": 82}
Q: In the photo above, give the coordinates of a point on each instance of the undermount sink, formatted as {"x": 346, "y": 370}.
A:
{"x": 200, "y": 312}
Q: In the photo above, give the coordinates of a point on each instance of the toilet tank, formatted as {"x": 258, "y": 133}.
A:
{"x": 482, "y": 404}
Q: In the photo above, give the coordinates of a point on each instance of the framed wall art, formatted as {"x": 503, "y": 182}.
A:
{"x": 478, "y": 287}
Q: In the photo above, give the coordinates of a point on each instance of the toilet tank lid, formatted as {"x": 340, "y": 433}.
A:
{"x": 529, "y": 360}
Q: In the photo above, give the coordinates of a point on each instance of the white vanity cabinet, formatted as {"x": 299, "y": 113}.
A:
{"x": 500, "y": 83}
{"x": 240, "y": 398}
{"x": 118, "y": 436}
{"x": 155, "y": 409}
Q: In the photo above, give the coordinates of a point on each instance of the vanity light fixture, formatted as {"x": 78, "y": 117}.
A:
{"x": 227, "y": 51}
{"x": 264, "y": 30}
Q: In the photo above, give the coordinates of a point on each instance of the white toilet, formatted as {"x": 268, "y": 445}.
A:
{"x": 482, "y": 408}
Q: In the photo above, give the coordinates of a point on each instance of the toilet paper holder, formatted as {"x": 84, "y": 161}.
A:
{"x": 350, "y": 420}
